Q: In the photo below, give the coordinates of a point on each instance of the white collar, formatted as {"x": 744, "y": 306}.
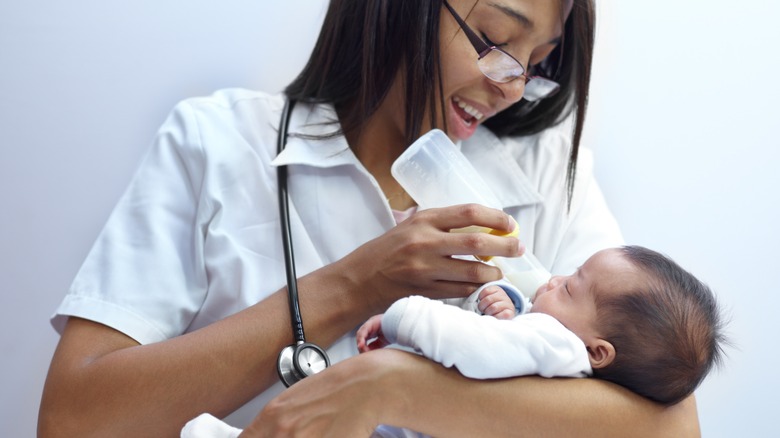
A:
{"x": 303, "y": 148}
{"x": 499, "y": 168}
{"x": 485, "y": 151}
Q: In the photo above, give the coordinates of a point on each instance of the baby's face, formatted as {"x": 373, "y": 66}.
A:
{"x": 572, "y": 299}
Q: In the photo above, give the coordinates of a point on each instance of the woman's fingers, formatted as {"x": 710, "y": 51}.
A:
{"x": 477, "y": 243}
{"x": 420, "y": 256}
{"x": 467, "y": 215}
{"x": 344, "y": 400}
{"x": 467, "y": 229}
{"x": 458, "y": 270}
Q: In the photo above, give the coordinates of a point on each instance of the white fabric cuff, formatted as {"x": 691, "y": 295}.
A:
{"x": 391, "y": 320}
{"x": 208, "y": 426}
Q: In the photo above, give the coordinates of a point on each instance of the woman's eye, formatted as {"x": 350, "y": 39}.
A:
{"x": 488, "y": 41}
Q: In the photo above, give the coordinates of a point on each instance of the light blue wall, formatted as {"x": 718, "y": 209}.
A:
{"x": 682, "y": 124}
{"x": 84, "y": 85}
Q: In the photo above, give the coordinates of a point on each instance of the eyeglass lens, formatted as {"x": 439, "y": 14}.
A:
{"x": 539, "y": 88}
{"x": 500, "y": 67}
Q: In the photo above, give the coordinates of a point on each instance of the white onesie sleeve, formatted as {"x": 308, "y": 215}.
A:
{"x": 484, "y": 347}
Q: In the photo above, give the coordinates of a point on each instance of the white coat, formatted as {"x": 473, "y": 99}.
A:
{"x": 196, "y": 236}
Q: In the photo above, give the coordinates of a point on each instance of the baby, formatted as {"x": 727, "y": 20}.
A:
{"x": 628, "y": 315}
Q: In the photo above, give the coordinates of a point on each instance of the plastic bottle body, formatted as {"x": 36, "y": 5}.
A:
{"x": 436, "y": 174}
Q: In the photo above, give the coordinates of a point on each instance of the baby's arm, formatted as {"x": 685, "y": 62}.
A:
{"x": 492, "y": 300}
{"x": 484, "y": 347}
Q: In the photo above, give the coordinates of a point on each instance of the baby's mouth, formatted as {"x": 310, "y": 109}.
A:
{"x": 467, "y": 112}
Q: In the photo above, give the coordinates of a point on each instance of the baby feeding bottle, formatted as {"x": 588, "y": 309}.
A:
{"x": 435, "y": 173}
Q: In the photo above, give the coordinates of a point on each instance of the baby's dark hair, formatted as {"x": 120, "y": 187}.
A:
{"x": 667, "y": 332}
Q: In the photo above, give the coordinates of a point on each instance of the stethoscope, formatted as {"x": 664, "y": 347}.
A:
{"x": 301, "y": 359}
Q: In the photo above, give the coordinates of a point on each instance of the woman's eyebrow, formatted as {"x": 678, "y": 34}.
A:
{"x": 517, "y": 15}
{"x": 521, "y": 18}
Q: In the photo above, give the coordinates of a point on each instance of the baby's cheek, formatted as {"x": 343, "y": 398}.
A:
{"x": 538, "y": 306}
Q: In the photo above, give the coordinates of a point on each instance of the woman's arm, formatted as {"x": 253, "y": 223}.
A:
{"x": 540, "y": 407}
{"x": 103, "y": 383}
{"x": 393, "y": 387}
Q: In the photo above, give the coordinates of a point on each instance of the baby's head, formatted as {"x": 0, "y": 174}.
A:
{"x": 648, "y": 324}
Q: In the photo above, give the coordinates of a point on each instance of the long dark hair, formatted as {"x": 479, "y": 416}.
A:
{"x": 364, "y": 43}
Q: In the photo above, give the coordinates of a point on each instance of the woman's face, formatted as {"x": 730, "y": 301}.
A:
{"x": 526, "y": 29}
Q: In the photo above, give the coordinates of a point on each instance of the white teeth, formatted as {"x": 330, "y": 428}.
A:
{"x": 473, "y": 112}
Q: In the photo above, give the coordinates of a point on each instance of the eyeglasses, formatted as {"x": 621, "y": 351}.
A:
{"x": 502, "y": 67}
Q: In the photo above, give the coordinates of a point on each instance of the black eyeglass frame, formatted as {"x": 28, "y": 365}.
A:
{"x": 483, "y": 49}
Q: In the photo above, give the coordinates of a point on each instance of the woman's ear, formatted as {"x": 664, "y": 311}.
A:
{"x": 601, "y": 353}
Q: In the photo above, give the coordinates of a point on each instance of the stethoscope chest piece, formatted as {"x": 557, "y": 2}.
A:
{"x": 299, "y": 361}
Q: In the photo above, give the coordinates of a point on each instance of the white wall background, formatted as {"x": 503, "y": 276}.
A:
{"x": 682, "y": 121}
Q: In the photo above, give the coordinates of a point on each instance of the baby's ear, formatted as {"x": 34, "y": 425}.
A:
{"x": 601, "y": 353}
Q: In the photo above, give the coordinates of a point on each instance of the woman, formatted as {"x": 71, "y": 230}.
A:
{"x": 181, "y": 307}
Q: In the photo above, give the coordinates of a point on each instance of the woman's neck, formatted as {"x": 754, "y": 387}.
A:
{"x": 377, "y": 145}
{"x": 381, "y": 140}
{"x": 377, "y": 155}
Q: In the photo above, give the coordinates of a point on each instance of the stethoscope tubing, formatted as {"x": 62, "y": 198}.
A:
{"x": 284, "y": 211}
{"x": 301, "y": 359}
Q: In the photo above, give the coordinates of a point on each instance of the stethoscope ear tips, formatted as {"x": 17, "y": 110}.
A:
{"x": 299, "y": 361}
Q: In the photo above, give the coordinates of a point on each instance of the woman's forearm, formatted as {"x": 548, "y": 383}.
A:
{"x": 401, "y": 389}
{"x": 441, "y": 402}
{"x": 103, "y": 383}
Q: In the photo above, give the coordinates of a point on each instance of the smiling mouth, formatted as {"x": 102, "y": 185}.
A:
{"x": 468, "y": 113}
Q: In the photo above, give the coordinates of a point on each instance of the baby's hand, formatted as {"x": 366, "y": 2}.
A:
{"x": 371, "y": 329}
{"x": 495, "y": 302}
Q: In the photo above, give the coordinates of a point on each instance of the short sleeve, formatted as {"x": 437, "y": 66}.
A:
{"x": 145, "y": 275}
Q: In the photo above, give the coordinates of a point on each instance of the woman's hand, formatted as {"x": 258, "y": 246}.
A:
{"x": 416, "y": 257}
{"x": 344, "y": 400}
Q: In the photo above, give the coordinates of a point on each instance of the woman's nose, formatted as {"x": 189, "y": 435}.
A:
{"x": 512, "y": 91}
